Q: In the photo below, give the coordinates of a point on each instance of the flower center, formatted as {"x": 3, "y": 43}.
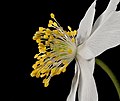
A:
{"x": 57, "y": 49}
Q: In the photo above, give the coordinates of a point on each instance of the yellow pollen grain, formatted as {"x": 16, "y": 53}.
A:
{"x": 34, "y": 72}
{"x": 58, "y": 72}
{"x": 73, "y": 40}
{"x": 55, "y": 24}
{"x": 61, "y": 50}
{"x": 45, "y": 36}
{"x": 37, "y": 75}
{"x": 34, "y": 66}
{"x": 75, "y": 32}
{"x": 63, "y": 70}
{"x": 36, "y": 56}
{"x": 41, "y": 29}
{"x": 51, "y": 38}
{"x": 43, "y": 50}
{"x": 52, "y": 15}
{"x": 41, "y": 45}
{"x": 41, "y": 63}
{"x": 69, "y": 28}
{"x": 43, "y": 56}
{"x": 49, "y": 25}
{"x": 47, "y": 42}
{"x": 46, "y": 82}
{"x": 42, "y": 75}
{"x": 48, "y": 31}
{"x": 69, "y": 51}
{"x": 43, "y": 70}
{"x": 34, "y": 37}
{"x": 53, "y": 71}
{"x": 48, "y": 53}
{"x": 37, "y": 62}
{"x": 50, "y": 22}
{"x": 38, "y": 41}
{"x": 68, "y": 33}
{"x": 65, "y": 62}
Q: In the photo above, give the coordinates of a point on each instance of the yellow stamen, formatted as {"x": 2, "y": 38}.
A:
{"x": 73, "y": 40}
{"x": 44, "y": 70}
{"x": 46, "y": 82}
{"x": 55, "y": 24}
{"x": 41, "y": 29}
{"x": 69, "y": 51}
{"x": 38, "y": 40}
{"x": 63, "y": 70}
{"x": 61, "y": 50}
{"x": 36, "y": 56}
{"x": 55, "y": 50}
{"x": 69, "y": 28}
{"x": 37, "y": 75}
{"x": 34, "y": 72}
{"x": 50, "y": 22}
{"x": 53, "y": 71}
{"x": 52, "y": 15}
{"x": 45, "y": 36}
{"x": 65, "y": 62}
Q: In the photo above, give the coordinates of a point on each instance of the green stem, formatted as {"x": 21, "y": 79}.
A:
{"x": 110, "y": 74}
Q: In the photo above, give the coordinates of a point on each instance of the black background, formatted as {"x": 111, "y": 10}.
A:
{"x": 25, "y": 19}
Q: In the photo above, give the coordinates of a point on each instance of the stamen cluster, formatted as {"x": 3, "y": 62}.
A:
{"x": 56, "y": 50}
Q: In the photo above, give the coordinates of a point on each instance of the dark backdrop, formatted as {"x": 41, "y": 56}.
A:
{"x": 25, "y": 18}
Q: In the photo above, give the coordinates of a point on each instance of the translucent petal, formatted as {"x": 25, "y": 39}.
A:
{"x": 112, "y": 6}
{"x": 86, "y": 24}
{"x": 74, "y": 85}
{"x": 87, "y": 90}
{"x": 106, "y": 36}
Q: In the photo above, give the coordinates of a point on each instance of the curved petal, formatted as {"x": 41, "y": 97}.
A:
{"x": 74, "y": 86}
{"x": 112, "y": 6}
{"x": 87, "y": 90}
{"x": 105, "y": 36}
{"x": 86, "y": 23}
{"x": 92, "y": 63}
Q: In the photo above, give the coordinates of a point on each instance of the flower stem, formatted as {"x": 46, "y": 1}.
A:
{"x": 110, "y": 74}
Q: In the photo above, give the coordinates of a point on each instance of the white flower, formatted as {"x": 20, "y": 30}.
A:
{"x": 92, "y": 41}
{"x": 57, "y": 48}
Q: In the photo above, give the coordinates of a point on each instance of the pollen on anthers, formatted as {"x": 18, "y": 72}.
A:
{"x": 57, "y": 49}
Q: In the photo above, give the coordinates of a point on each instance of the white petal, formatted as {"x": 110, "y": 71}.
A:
{"x": 112, "y": 6}
{"x": 87, "y": 90}
{"x": 106, "y": 36}
{"x": 92, "y": 63}
{"x": 86, "y": 24}
{"x": 85, "y": 52}
{"x": 74, "y": 86}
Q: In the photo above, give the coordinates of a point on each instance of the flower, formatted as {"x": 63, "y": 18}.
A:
{"x": 58, "y": 48}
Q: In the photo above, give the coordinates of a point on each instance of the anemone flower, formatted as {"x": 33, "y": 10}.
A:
{"x": 57, "y": 48}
